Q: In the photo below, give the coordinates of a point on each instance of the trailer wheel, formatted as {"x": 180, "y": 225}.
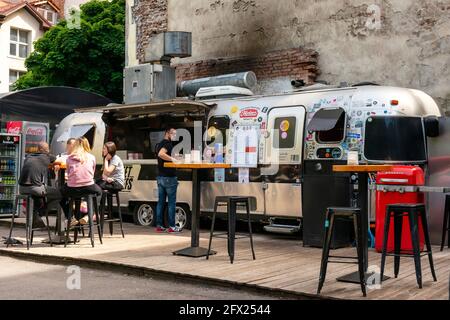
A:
{"x": 183, "y": 216}
{"x": 144, "y": 214}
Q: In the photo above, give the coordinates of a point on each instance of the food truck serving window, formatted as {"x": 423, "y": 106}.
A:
{"x": 394, "y": 139}
{"x": 329, "y": 124}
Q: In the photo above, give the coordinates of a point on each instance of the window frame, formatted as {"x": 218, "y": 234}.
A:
{"x": 44, "y": 13}
{"x": 18, "y": 74}
{"x": 17, "y": 43}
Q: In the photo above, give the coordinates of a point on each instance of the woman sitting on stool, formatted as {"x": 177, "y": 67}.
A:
{"x": 80, "y": 178}
{"x": 113, "y": 175}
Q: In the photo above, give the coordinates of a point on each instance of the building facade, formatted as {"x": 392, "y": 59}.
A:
{"x": 21, "y": 23}
{"x": 392, "y": 42}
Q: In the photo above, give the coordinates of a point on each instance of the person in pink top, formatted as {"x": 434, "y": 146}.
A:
{"x": 80, "y": 178}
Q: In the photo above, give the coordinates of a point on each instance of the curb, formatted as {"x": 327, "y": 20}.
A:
{"x": 150, "y": 272}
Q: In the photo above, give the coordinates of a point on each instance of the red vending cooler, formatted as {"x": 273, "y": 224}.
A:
{"x": 397, "y": 186}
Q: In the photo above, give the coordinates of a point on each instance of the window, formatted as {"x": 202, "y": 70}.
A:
{"x": 334, "y": 135}
{"x": 13, "y": 76}
{"x": 286, "y": 132}
{"x": 395, "y": 139}
{"x": 50, "y": 15}
{"x": 19, "y": 43}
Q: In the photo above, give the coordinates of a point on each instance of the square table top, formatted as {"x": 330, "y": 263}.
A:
{"x": 181, "y": 165}
{"x": 362, "y": 168}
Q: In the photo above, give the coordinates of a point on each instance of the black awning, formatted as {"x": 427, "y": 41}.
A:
{"x": 47, "y": 104}
{"x": 325, "y": 119}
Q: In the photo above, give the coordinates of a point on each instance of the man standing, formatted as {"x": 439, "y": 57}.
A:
{"x": 167, "y": 182}
{"x": 34, "y": 180}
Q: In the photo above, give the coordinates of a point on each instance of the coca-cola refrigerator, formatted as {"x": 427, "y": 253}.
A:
{"x": 32, "y": 133}
{"x": 10, "y": 159}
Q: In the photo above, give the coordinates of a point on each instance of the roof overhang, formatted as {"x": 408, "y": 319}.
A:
{"x": 176, "y": 107}
{"x": 44, "y": 24}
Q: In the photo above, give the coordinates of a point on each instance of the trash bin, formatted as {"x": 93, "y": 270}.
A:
{"x": 397, "y": 186}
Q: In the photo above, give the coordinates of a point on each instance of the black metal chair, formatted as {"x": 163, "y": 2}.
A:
{"x": 332, "y": 214}
{"x": 29, "y": 230}
{"x": 413, "y": 212}
{"x": 231, "y": 202}
{"x": 446, "y": 223}
{"x": 92, "y": 209}
{"x": 107, "y": 209}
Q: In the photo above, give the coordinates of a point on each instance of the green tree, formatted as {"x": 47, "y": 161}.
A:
{"x": 89, "y": 57}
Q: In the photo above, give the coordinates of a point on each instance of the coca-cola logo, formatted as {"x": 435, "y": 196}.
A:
{"x": 35, "y": 131}
{"x": 15, "y": 130}
{"x": 248, "y": 113}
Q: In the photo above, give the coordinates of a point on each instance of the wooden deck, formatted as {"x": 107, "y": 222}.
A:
{"x": 281, "y": 263}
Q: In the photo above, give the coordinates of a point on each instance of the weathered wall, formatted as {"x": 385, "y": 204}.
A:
{"x": 409, "y": 47}
{"x": 150, "y": 17}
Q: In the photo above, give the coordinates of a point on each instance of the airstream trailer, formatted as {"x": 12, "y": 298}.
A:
{"x": 303, "y": 132}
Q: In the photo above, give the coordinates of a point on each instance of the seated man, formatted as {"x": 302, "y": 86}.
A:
{"x": 34, "y": 180}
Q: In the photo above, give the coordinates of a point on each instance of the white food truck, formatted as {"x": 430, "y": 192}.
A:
{"x": 304, "y": 132}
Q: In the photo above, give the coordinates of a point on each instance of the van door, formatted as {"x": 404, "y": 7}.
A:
{"x": 283, "y": 159}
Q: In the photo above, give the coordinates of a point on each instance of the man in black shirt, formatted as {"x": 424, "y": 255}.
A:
{"x": 167, "y": 182}
{"x": 34, "y": 179}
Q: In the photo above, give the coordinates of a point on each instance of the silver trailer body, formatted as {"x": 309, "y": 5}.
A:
{"x": 278, "y": 195}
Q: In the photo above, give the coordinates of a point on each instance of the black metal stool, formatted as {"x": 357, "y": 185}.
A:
{"x": 446, "y": 223}
{"x": 342, "y": 213}
{"x": 412, "y": 211}
{"x": 108, "y": 210}
{"x": 29, "y": 230}
{"x": 231, "y": 202}
{"x": 92, "y": 209}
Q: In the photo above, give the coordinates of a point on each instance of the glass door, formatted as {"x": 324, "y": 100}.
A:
{"x": 9, "y": 172}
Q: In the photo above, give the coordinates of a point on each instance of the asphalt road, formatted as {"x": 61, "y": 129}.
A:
{"x": 21, "y": 279}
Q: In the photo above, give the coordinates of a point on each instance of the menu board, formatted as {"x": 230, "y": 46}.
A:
{"x": 244, "y": 152}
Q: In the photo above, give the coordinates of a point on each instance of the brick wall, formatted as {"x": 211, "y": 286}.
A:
{"x": 151, "y": 18}
{"x": 297, "y": 63}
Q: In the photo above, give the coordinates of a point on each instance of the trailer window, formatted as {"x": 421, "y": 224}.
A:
{"x": 395, "y": 139}
{"x": 217, "y": 127}
{"x": 335, "y": 134}
{"x": 89, "y": 135}
{"x": 286, "y": 127}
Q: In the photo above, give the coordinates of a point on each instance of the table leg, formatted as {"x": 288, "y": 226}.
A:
{"x": 195, "y": 250}
{"x": 59, "y": 237}
{"x": 362, "y": 199}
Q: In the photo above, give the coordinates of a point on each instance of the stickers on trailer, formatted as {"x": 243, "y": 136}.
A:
{"x": 354, "y": 135}
{"x": 248, "y": 113}
{"x": 284, "y": 126}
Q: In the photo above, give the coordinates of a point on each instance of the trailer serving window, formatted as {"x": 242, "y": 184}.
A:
{"x": 395, "y": 139}
{"x": 329, "y": 123}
